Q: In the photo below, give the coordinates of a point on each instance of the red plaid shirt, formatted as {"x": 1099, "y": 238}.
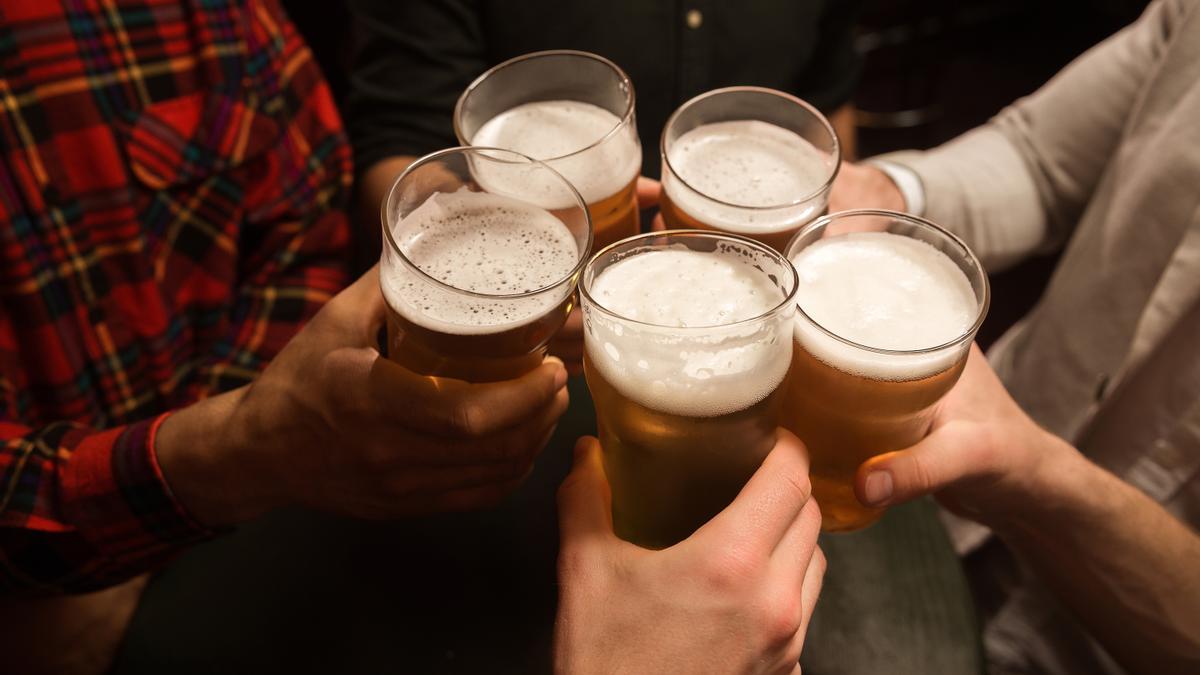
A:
{"x": 170, "y": 193}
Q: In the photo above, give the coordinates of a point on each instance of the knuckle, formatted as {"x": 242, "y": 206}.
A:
{"x": 469, "y": 419}
{"x": 798, "y": 485}
{"x": 921, "y": 475}
{"x": 782, "y": 618}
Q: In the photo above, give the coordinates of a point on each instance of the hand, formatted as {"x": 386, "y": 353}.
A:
{"x": 331, "y": 424}
{"x": 984, "y": 457}
{"x": 863, "y": 186}
{"x": 568, "y": 341}
{"x": 735, "y": 597}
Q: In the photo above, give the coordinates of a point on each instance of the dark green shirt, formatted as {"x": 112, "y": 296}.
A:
{"x": 415, "y": 57}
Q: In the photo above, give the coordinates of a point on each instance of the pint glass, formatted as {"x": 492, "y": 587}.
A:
{"x": 687, "y": 339}
{"x": 888, "y": 305}
{"x": 572, "y": 110}
{"x": 748, "y": 160}
{"x": 482, "y": 249}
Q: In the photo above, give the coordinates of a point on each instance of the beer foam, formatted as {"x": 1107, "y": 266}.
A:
{"x": 884, "y": 291}
{"x": 552, "y": 130}
{"x": 688, "y": 372}
{"x": 481, "y": 243}
{"x": 748, "y": 163}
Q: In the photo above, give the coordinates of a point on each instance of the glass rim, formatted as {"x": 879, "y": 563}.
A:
{"x": 390, "y": 241}
{"x": 837, "y": 146}
{"x": 984, "y": 303}
{"x": 789, "y": 296}
{"x": 625, "y": 120}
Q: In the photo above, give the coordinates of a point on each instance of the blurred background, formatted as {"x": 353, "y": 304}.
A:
{"x": 933, "y": 69}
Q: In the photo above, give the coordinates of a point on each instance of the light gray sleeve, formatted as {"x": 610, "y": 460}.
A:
{"x": 1019, "y": 183}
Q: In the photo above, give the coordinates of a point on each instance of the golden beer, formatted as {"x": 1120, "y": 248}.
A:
{"x": 616, "y": 217}
{"x": 846, "y": 419}
{"x": 687, "y": 338}
{"x": 492, "y": 357}
{"x": 747, "y": 160}
{"x": 572, "y": 110}
{"x": 884, "y": 325}
{"x": 671, "y": 473}
{"x": 476, "y": 280}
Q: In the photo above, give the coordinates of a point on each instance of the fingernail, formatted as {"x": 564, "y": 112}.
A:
{"x": 878, "y": 488}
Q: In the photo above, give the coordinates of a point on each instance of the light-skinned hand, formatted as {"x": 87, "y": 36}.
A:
{"x": 735, "y": 597}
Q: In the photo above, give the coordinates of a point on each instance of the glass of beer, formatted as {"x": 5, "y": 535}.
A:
{"x": 888, "y": 305}
{"x": 687, "y": 341}
{"x": 572, "y": 110}
{"x": 482, "y": 249}
{"x": 747, "y": 160}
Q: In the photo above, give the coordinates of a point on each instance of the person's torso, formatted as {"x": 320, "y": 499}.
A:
{"x": 675, "y": 50}
{"x": 1129, "y": 275}
{"x": 139, "y": 141}
{"x": 1110, "y": 358}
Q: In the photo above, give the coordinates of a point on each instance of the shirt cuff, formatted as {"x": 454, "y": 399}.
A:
{"x": 907, "y": 181}
{"x": 979, "y": 187}
{"x": 114, "y": 494}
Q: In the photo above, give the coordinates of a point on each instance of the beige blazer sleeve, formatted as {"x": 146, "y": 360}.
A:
{"x": 1019, "y": 183}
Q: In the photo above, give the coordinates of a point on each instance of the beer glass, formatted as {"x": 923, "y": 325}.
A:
{"x": 747, "y": 160}
{"x": 888, "y": 305}
{"x": 482, "y": 249}
{"x": 687, "y": 340}
{"x": 572, "y": 110}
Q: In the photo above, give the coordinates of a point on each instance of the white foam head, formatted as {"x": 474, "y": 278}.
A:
{"x": 552, "y": 130}
{"x": 884, "y": 291}
{"x": 673, "y": 366}
{"x": 748, "y": 163}
{"x": 481, "y": 243}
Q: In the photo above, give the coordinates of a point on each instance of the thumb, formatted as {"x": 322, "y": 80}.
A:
{"x": 648, "y": 191}
{"x": 584, "y": 499}
{"x": 360, "y": 308}
{"x": 950, "y": 455}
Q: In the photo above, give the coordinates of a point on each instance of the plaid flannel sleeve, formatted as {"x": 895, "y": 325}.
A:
{"x": 82, "y": 509}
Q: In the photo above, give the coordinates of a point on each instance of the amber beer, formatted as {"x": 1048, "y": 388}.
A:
{"x": 572, "y": 110}
{"x": 747, "y": 160}
{"x": 476, "y": 282}
{"x": 687, "y": 341}
{"x": 884, "y": 325}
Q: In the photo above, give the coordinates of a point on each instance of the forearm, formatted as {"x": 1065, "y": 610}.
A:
{"x": 1125, "y": 567}
{"x": 979, "y": 187}
{"x": 1021, "y": 182}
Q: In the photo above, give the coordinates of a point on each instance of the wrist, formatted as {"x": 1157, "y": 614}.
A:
{"x": 1045, "y": 490}
{"x": 208, "y": 462}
